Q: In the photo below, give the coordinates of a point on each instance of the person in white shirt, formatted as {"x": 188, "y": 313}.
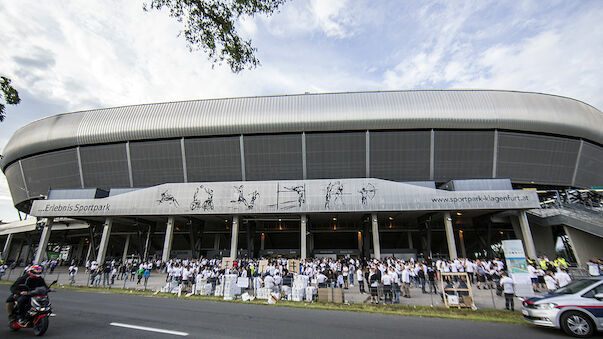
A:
{"x": 563, "y": 278}
{"x": 593, "y": 267}
{"x": 386, "y": 280}
{"x": 507, "y": 284}
{"x": 321, "y": 279}
{"x": 345, "y": 270}
{"x": 549, "y": 280}
{"x": 360, "y": 279}
{"x": 269, "y": 282}
{"x": 72, "y": 273}
{"x": 406, "y": 282}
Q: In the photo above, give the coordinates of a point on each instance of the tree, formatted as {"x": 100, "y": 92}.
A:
{"x": 7, "y": 94}
{"x": 209, "y": 25}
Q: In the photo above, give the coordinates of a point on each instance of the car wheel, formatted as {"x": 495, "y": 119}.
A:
{"x": 577, "y": 324}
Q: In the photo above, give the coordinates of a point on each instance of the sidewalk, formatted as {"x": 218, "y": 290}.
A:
{"x": 482, "y": 298}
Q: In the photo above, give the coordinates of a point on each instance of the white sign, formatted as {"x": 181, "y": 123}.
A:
{"x": 517, "y": 266}
{"x": 290, "y": 196}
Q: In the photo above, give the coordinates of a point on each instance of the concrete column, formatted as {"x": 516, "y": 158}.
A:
{"x": 462, "y": 243}
{"x": 234, "y": 238}
{"x": 6, "y": 250}
{"x": 89, "y": 252}
{"x": 409, "y": 234}
{"x": 450, "y": 235}
{"x": 304, "y": 238}
{"x": 43, "y": 241}
{"x": 376, "y": 246}
{"x": 528, "y": 242}
{"x": 124, "y": 256}
{"x": 104, "y": 243}
{"x": 167, "y": 244}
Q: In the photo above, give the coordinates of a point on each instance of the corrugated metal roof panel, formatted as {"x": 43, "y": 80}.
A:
{"x": 454, "y": 109}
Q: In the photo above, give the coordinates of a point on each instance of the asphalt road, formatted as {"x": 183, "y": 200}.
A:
{"x": 90, "y": 315}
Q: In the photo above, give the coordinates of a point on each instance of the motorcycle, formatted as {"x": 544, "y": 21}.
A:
{"x": 38, "y": 314}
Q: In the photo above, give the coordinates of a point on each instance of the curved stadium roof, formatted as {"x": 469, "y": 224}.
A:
{"x": 416, "y": 109}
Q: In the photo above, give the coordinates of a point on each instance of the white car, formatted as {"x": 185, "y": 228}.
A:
{"x": 576, "y": 308}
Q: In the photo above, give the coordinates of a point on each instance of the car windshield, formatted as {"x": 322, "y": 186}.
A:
{"x": 574, "y": 287}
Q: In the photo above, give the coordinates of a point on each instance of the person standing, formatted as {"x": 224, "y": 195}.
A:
{"x": 386, "y": 280}
{"x": 406, "y": 282}
{"x": 374, "y": 285}
{"x": 360, "y": 279}
{"x": 509, "y": 291}
{"x": 550, "y": 281}
{"x": 72, "y": 274}
{"x": 562, "y": 277}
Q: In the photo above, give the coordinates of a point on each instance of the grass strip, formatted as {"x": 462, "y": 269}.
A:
{"x": 485, "y": 315}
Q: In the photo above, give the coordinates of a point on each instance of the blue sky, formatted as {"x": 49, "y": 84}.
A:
{"x": 72, "y": 55}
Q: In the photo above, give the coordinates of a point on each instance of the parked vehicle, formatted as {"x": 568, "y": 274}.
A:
{"x": 576, "y": 308}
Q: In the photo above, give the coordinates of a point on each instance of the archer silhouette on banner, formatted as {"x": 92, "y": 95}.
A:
{"x": 207, "y": 204}
{"x": 241, "y": 197}
{"x": 367, "y": 193}
{"x": 334, "y": 194}
{"x": 168, "y": 198}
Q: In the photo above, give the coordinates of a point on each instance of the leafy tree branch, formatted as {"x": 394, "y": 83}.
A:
{"x": 210, "y": 25}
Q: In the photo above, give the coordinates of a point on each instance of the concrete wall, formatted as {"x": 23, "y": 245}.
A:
{"x": 585, "y": 245}
{"x": 543, "y": 240}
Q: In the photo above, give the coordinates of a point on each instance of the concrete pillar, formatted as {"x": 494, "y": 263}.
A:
{"x": 104, "y": 243}
{"x": 462, "y": 243}
{"x": 234, "y": 238}
{"x": 89, "y": 251}
{"x": 376, "y": 246}
{"x": 409, "y": 234}
{"x": 450, "y": 235}
{"x": 124, "y": 256}
{"x": 528, "y": 242}
{"x": 43, "y": 241}
{"x": 167, "y": 244}
{"x": 304, "y": 238}
{"x": 6, "y": 250}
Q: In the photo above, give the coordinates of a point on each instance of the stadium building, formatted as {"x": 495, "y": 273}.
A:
{"x": 400, "y": 173}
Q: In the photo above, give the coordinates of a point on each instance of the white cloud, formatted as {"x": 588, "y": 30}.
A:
{"x": 333, "y": 18}
{"x": 558, "y": 55}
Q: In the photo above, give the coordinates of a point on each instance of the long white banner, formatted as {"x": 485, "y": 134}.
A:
{"x": 288, "y": 196}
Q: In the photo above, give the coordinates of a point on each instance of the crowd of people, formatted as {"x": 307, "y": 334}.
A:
{"x": 384, "y": 281}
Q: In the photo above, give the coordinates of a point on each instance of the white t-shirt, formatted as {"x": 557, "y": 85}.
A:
{"x": 563, "y": 278}
{"x": 593, "y": 269}
{"x": 507, "y": 284}
{"x": 550, "y": 282}
{"x": 386, "y": 279}
{"x": 359, "y": 275}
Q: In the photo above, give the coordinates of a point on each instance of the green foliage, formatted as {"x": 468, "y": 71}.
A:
{"x": 209, "y": 25}
{"x": 7, "y": 94}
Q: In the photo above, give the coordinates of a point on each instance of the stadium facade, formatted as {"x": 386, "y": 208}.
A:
{"x": 397, "y": 173}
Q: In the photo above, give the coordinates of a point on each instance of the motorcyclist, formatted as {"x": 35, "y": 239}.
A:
{"x": 30, "y": 280}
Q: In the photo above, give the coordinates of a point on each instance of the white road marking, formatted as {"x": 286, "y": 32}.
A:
{"x": 151, "y": 329}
